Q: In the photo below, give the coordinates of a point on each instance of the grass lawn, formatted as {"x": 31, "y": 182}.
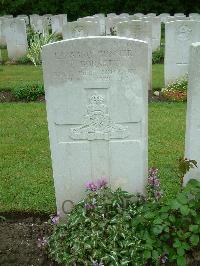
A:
{"x": 12, "y": 75}
{"x": 26, "y": 182}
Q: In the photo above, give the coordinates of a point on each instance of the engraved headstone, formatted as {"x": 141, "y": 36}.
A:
{"x": 77, "y": 29}
{"x": 141, "y": 30}
{"x": 179, "y": 35}
{"x": 16, "y": 38}
{"x": 192, "y": 139}
{"x": 97, "y": 100}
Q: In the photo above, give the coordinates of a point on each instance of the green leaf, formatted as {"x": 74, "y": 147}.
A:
{"x": 194, "y": 228}
{"x": 147, "y": 254}
{"x": 157, "y": 229}
{"x": 194, "y": 240}
{"x": 184, "y": 210}
{"x": 181, "y": 261}
{"x": 180, "y": 251}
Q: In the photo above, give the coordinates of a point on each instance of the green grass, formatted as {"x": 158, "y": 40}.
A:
{"x": 12, "y": 75}
{"x": 158, "y": 76}
{"x": 26, "y": 182}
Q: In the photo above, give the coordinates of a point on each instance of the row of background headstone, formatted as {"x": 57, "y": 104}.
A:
{"x": 178, "y": 35}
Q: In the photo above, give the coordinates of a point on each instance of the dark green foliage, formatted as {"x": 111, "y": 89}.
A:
{"x": 79, "y": 8}
{"x": 158, "y": 56}
{"x": 23, "y": 60}
{"x": 28, "y": 91}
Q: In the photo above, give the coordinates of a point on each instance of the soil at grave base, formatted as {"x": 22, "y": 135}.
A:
{"x": 18, "y": 242}
{"x": 6, "y": 96}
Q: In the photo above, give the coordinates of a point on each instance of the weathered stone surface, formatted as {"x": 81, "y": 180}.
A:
{"x": 179, "y": 35}
{"x": 97, "y": 100}
{"x": 141, "y": 30}
{"x": 192, "y": 139}
{"x": 57, "y": 22}
{"x": 77, "y": 29}
{"x": 95, "y": 19}
{"x": 2, "y": 31}
{"x": 25, "y": 17}
{"x": 39, "y": 24}
{"x": 156, "y": 31}
{"x": 16, "y": 38}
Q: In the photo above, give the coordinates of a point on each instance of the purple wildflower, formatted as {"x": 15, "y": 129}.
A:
{"x": 91, "y": 186}
{"x": 55, "y": 218}
{"x": 41, "y": 242}
{"x": 154, "y": 181}
{"x": 102, "y": 183}
{"x": 153, "y": 171}
{"x": 89, "y": 206}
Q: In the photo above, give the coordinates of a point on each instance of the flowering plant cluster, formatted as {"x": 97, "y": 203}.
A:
{"x": 116, "y": 228}
{"x": 176, "y": 91}
{"x": 153, "y": 186}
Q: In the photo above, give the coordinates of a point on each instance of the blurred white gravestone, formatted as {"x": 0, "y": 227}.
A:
{"x": 16, "y": 38}
{"x": 97, "y": 101}
{"x": 2, "y": 31}
{"x": 141, "y": 30}
{"x": 156, "y": 31}
{"x": 57, "y": 22}
{"x": 77, "y": 29}
{"x": 25, "y": 17}
{"x": 97, "y": 20}
{"x": 179, "y": 35}
{"x": 192, "y": 139}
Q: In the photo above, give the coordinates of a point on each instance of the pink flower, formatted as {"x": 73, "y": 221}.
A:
{"x": 91, "y": 186}
{"x": 102, "y": 183}
{"x": 89, "y": 206}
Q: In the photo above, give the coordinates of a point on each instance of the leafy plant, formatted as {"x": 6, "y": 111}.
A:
{"x": 36, "y": 43}
{"x": 176, "y": 91}
{"x": 116, "y": 228}
{"x": 23, "y": 60}
{"x": 158, "y": 56}
{"x": 28, "y": 91}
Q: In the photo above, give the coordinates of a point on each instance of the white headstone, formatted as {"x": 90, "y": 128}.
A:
{"x": 39, "y": 24}
{"x": 163, "y": 17}
{"x": 2, "y": 31}
{"x": 111, "y": 24}
{"x": 179, "y": 15}
{"x": 179, "y": 35}
{"x": 57, "y": 22}
{"x": 192, "y": 139}
{"x": 97, "y": 100}
{"x": 95, "y": 19}
{"x": 151, "y": 15}
{"x": 141, "y": 30}
{"x": 77, "y": 29}
{"x": 156, "y": 31}
{"x": 16, "y": 38}
{"x": 25, "y": 17}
